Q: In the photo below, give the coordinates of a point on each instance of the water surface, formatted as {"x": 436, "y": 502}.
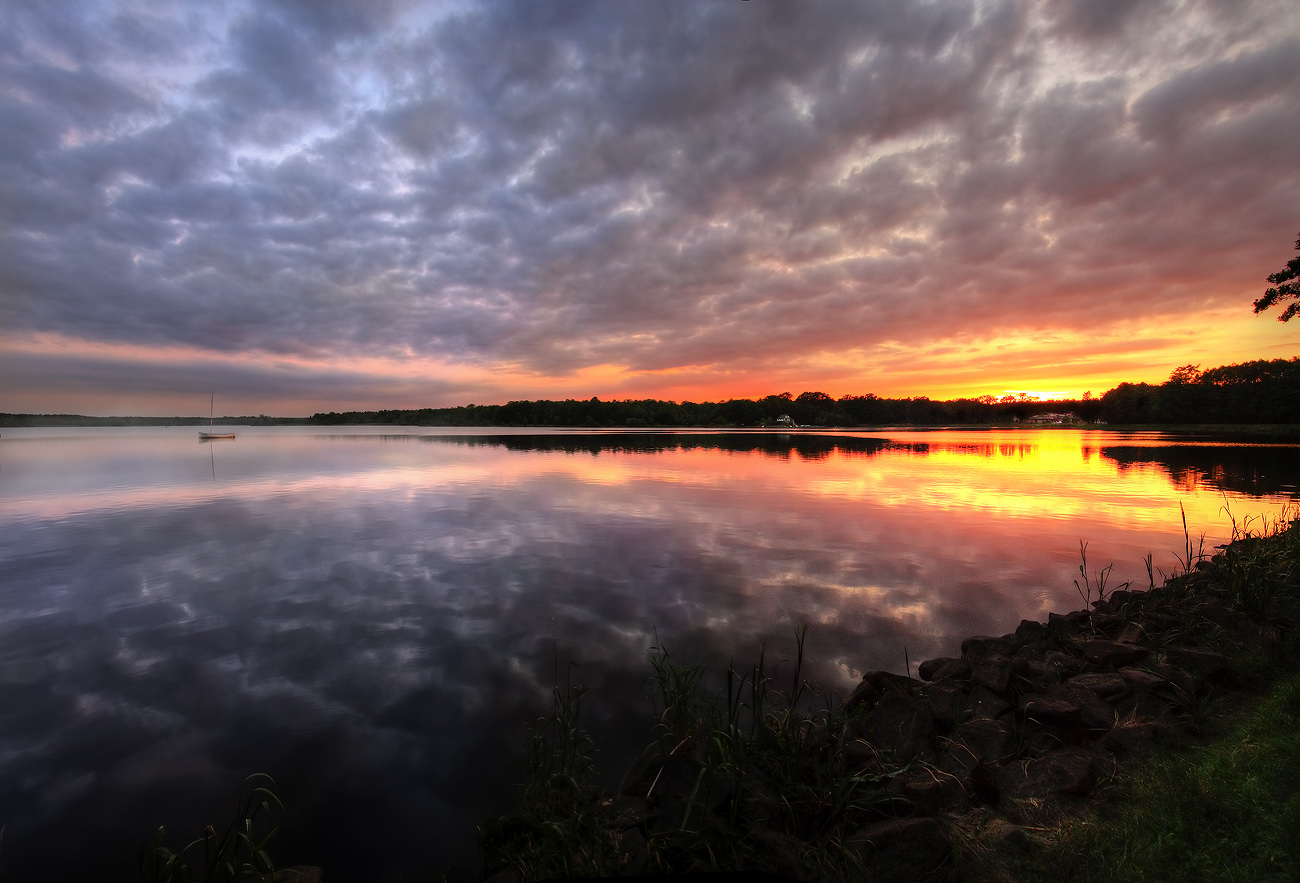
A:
{"x": 372, "y": 616}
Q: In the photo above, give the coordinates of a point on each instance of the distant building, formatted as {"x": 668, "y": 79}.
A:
{"x": 784, "y": 420}
{"x": 1053, "y": 419}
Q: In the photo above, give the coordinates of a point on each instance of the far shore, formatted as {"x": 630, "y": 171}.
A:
{"x": 1257, "y": 432}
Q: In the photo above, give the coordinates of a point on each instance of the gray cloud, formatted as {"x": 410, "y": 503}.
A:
{"x": 558, "y": 185}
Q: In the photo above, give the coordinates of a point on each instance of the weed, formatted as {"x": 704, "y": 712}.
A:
{"x": 558, "y": 832}
{"x": 1191, "y": 554}
{"x": 1096, "y": 583}
{"x": 768, "y": 757}
{"x": 237, "y": 856}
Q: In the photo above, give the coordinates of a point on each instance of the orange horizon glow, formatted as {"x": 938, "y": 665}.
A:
{"x": 1051, "y": 365}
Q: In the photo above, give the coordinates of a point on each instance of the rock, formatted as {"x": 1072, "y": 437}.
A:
{"x": 1104, "y": 685}
{"x": 901, "y": 726}
{"x": 992, "y": 672}
{"x": 901, "y": 850}
{"x": 864, "y": 695}
{"x": 1162, "y": 621}
{"x": 888, "y": 682}
{"x": 1141, "y": 706}
{"x": 987, "y": 741}
{"x": 1067, "y": 771}
{"x": 875, "y": 684}
{"x": 983, "y": 703}
{"x": 1035, "y": 674}
{"x": 983, "y": 645}
{"x": 1040, "y": 740}
{"x": 1095, "y": 713}
{"x": 1183, "y": 687}
{"x": 1049, "y": 712}
{"x": 1121, "y": 597}
{"x": 1113, "y": 652}
{"x": 1130, "y": 634}
{"x": 633, "y": 853}
{"x": 1104, "y": 623}
{"x": 1011, "y": 835}
{"x": 946, "y": 702}
{"x": 1142, "y": 679}
{"x": 673, "y": 779}
{"x": 1066, "y": 664}
{"x": 1198, "y": 661}
{"x": 859, "y": 755}
{"x": 1131, "y": 737}
{"x": 943, "y": 668}
{"x": 626, "y": 810}
{"x": 1029, "y": 631}
{"x": 930, "y": 791}
{"x": 642, "y": 773}
{"x": 1067, "y": 624}
{"x": 506, "y": 875}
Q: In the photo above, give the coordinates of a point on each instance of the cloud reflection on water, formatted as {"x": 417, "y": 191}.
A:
{"x": 372, "y": 621}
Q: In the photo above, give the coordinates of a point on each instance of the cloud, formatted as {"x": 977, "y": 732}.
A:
{"x": 557, "y": 187}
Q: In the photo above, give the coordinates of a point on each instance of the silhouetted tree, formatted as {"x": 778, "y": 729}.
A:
{"x": 1288, "y": 286}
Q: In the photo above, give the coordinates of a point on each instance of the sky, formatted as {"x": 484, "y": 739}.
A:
{"x": 315, "y": 205}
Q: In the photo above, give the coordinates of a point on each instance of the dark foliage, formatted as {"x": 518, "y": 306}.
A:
{"x": 1252, "y": 392}
{"x": 807, "y": 409}
{"x": 1287, "y": 281}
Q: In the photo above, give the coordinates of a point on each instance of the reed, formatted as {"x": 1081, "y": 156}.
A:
{"x": 238, "y": 855}
{"x": 770, "y": 756}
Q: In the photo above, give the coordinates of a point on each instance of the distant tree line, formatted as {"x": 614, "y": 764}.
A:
{"x": 1252, "y": 392}
{"x": 806, "y": 409}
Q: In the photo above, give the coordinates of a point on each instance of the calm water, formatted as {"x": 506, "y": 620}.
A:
{"x": 372, "y": 617}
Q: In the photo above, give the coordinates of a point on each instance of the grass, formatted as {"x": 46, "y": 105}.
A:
{"x": 1218, "y": 801}
{"x": 753, "y": 769}
{"x": 236, "y": 856}
{"x": 558, "y": 831}
{"x": 1227, "y": 811}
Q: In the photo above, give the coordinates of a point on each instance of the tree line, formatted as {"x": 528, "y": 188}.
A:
{"x": 1252, "y": 392}
{"x": 806, "y": 409}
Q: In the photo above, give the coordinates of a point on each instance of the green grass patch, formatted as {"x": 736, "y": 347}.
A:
{"x": 1226, "y": 811}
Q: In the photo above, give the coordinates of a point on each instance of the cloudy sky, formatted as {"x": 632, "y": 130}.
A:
{"x": 303, "y": 205}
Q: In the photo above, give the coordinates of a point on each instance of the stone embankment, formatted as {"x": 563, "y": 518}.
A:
{"x": 1029, "y": 715}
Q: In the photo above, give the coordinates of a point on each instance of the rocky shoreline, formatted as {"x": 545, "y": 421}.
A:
{"x": 1038, "y": 714}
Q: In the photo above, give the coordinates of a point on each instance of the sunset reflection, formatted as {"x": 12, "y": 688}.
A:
{"x": 345, "y": 590}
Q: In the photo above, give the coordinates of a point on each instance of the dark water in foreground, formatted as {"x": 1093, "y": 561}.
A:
{"x": 372, "y": 618}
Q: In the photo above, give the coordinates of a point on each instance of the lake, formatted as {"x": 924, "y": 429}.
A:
{"x": 372, "y": 615}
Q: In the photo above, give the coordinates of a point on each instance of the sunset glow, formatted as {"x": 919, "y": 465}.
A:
{"x": 309, "y": 207}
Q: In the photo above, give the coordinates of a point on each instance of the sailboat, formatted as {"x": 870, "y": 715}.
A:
{"x": 212, "y": 434}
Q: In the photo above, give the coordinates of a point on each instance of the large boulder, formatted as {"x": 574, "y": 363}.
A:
{"x": 943, "y": 668}
{"x": 1068, "y": 771}
{"x": 1106, "y": 685}
{"x": 993, "y": 672}
{"x": 1199, "y": 661}
{"x": 901, "y": 726}
{"x": 1113, "y": 653}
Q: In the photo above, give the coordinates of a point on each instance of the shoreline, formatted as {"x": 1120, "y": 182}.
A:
{"x": 946, "y": 769}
